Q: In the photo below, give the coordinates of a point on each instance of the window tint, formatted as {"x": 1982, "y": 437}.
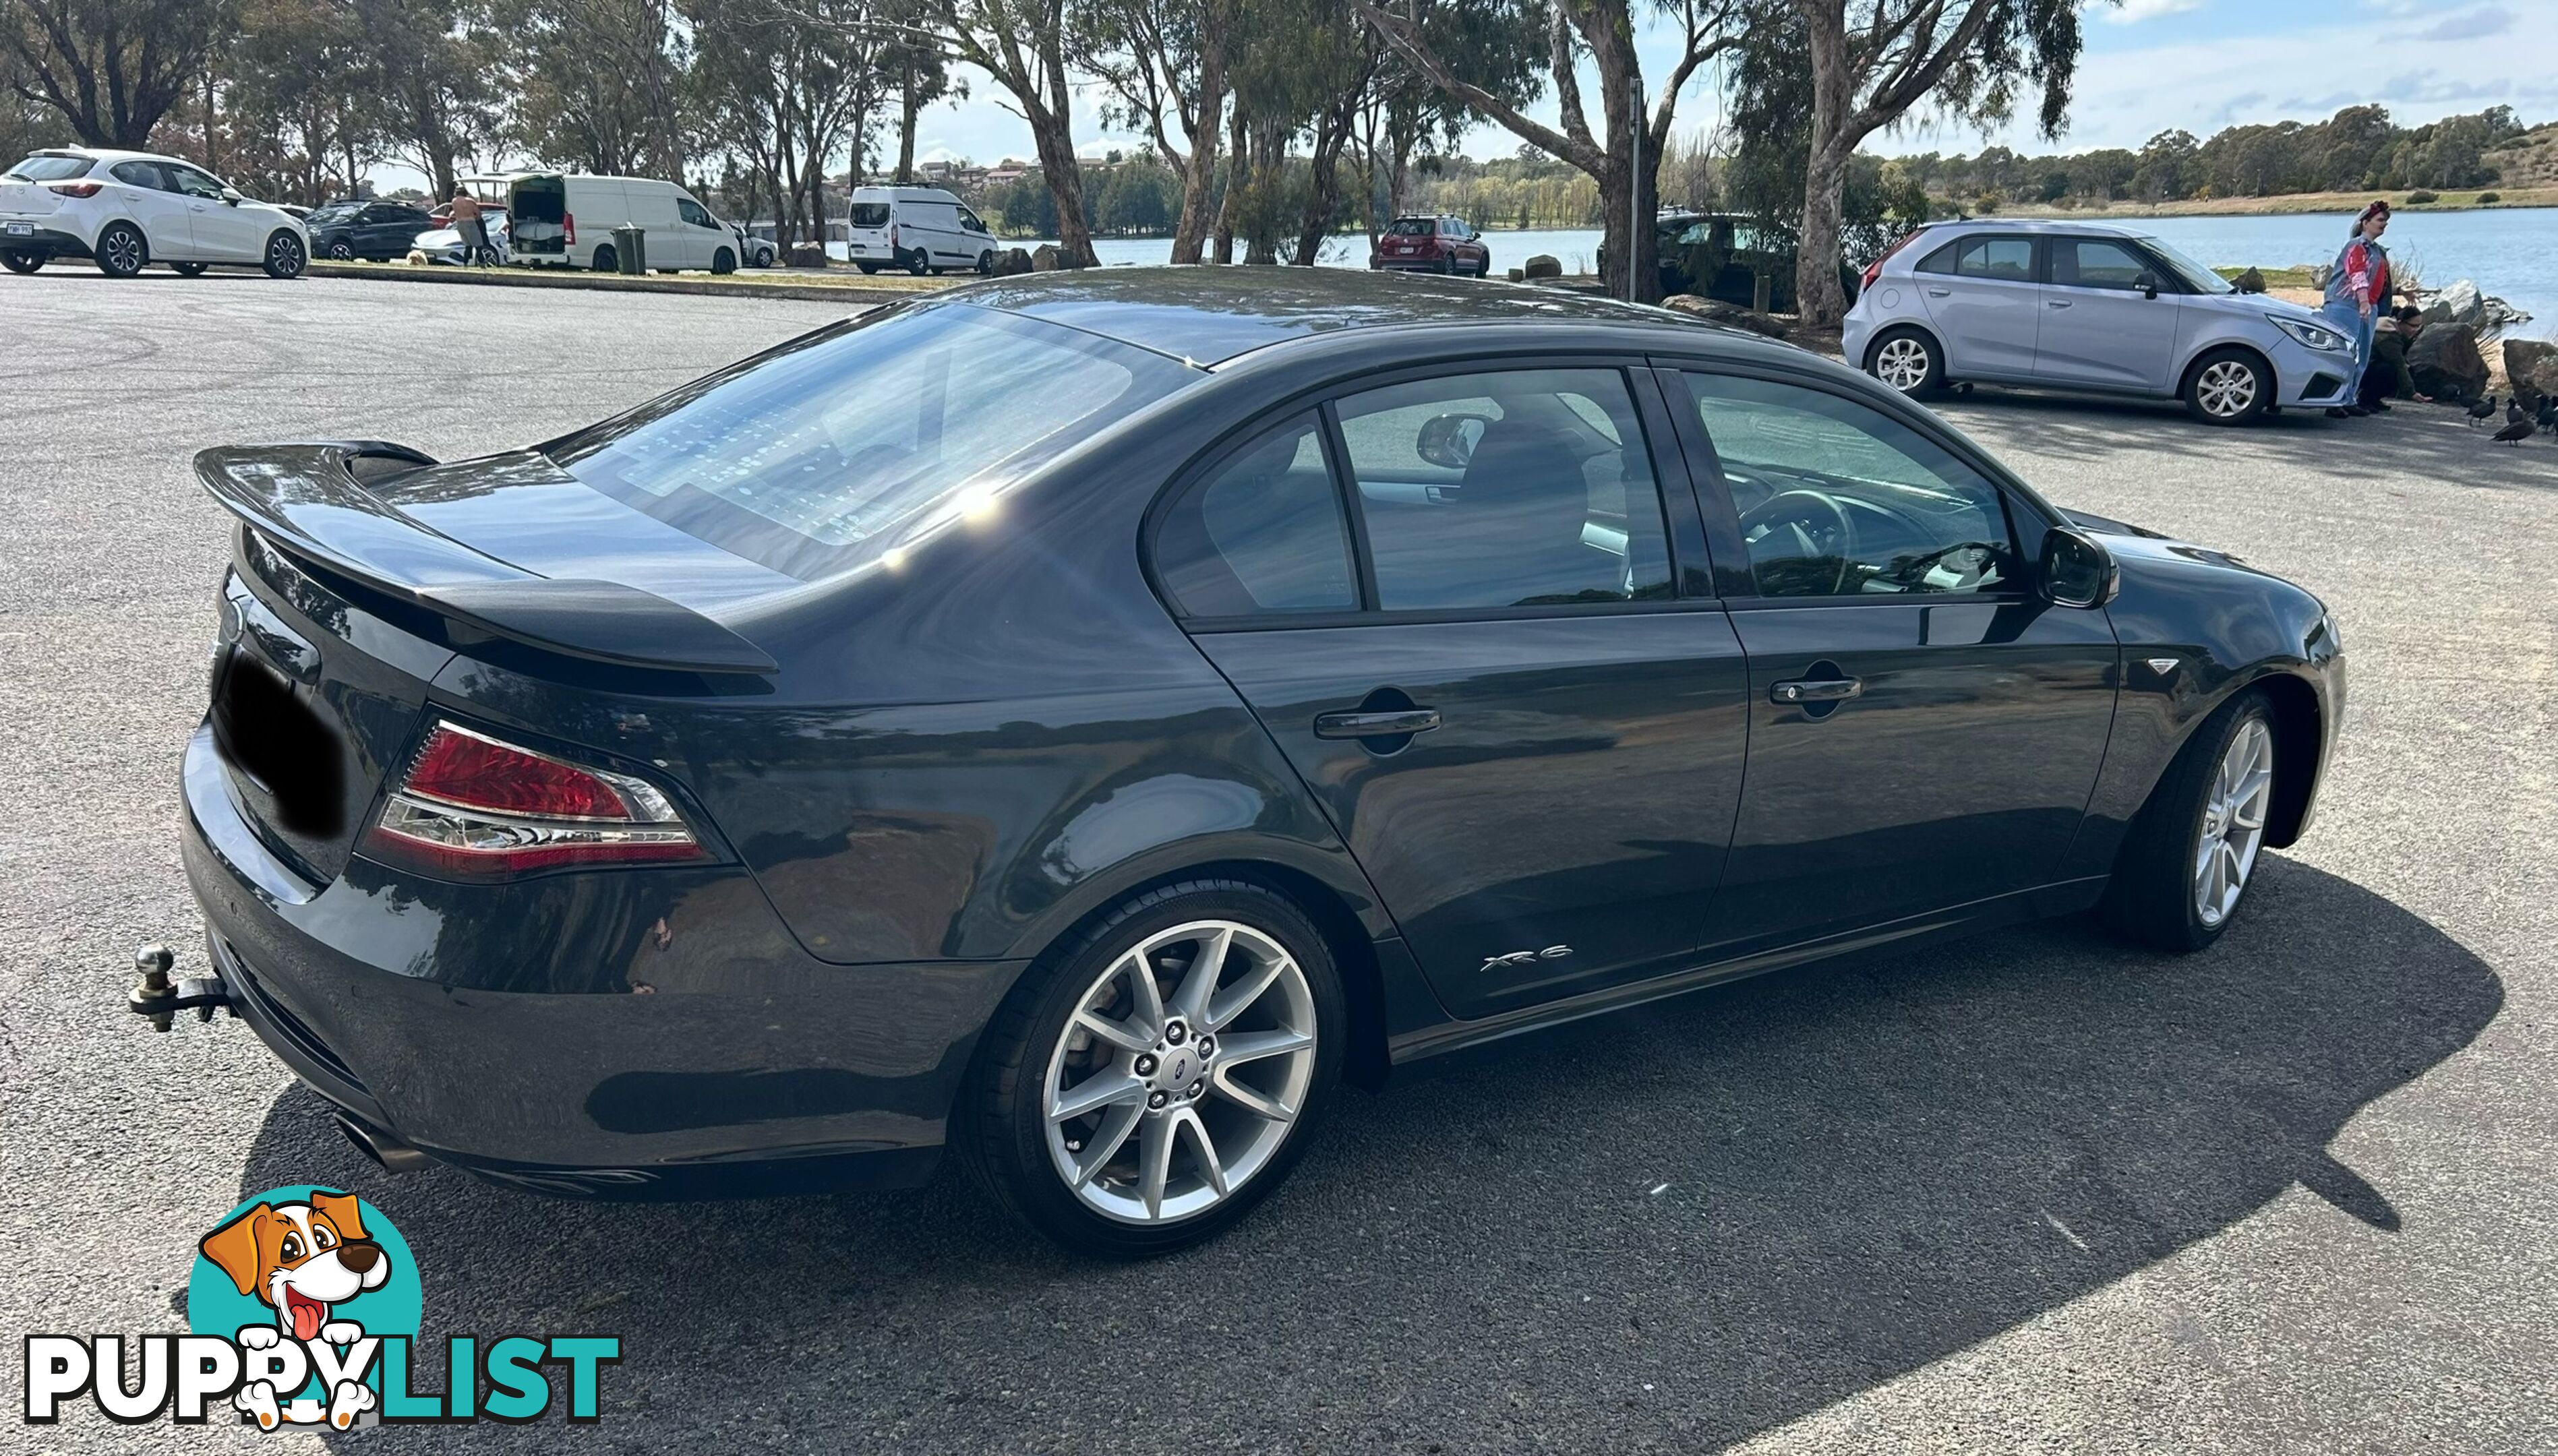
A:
{"x": 1515, "y": 488}
{"x": 141, "y": 173}
{"x": 693, "y": 212}
{"x": 1839, "y": 499}
{"x": 1411, "y": 227}
{"x": 870, "y": 215}
{"x": 2010, "y": 259}
{"x": 2096, "y": 262}
{"x": 1942, "y": 260}
{"x": 1260, "y": 533}
{"x": 42, "y": 168}
{"x": 841, "y": 447}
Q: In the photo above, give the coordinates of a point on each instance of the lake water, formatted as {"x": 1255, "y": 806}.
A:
{"x": 2509, "y": 252}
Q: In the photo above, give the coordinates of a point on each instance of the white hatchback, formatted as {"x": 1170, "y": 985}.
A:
{"x": 126, "y": 209}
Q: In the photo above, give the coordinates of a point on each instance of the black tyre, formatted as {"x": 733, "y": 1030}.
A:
{"x": 285, "y": 255}
{"x": 607, "y": 260}
{"x": 986, "y": 263}
{"x": 1907, "y": 360}
{"x": 341, "y": 250}
{"x": 188, "y": 270}
{"x": 1484, "y": 269}
{"x": 2228, "y": 386}
{"x": 120, "y": 250}
{"x": 1125, "y": 1107}
{"x": 868, "y": 268}
{"x": 919, "y": 262}
{"x": 22, "y": 262}
{"x": 2183, "y": 872}
{"x": 723, "y": 261}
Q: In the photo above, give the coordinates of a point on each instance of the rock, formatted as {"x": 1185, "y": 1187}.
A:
{"x": 2465, "y": 301}
{"x": 2250, "y": 281}
{"x": 2531, "y": 369}
{"x": 1543, "y": 265}
{"x": 1047, "y": 259}
{"x": 808, "y": 255}
{"x": 1730, "y": 316}
{"x": 2445, "y": 362}
{"x": 1518, "y": 275}
{"x": 2319, "y": 273}
{"x": 1011, "y": 261}
{"x": 2434, "y": 311}
{"x": 2497, "y": 316}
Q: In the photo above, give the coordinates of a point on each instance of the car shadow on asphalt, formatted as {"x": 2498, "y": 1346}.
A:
{"x": 1684, "y": 1224}
{"x": 2432, "y": 441}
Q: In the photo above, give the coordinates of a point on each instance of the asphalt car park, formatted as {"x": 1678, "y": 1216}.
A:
{"x": 2031, "y": 1189}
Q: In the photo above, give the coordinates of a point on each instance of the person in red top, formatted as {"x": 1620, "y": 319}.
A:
{"x": 2357, "y": 291}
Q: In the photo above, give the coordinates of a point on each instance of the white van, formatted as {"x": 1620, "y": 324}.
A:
{"x": 568, "y": 218}
{"x": 921, "y": 229}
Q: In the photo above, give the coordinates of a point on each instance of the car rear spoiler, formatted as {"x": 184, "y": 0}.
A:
{"x": 310, "y": 499}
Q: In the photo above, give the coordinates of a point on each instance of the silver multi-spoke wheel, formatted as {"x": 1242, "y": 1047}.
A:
{"x": 121, "y": 251}
{"x": 2233, "y": 822}
{"x": 1180, "y": 1072}
{"x": 1904, "y": 363}
{"x": 2226, "y": 389}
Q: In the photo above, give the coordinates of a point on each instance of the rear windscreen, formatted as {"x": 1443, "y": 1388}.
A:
{"x": 838, "y": 448}
{"x": 1413, "y": 226}
{"x": 42, "y": 168}
{"x": 870, "y": 215}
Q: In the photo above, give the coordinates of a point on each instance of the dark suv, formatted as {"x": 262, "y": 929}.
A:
{"x": 1440, "y": 244}
{"x": 366, "y": 229}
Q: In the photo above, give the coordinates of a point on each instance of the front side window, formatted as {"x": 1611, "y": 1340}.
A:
{"x": 1529, "y": 488}
{"x": 838, "y": 448}
{"x": 192, "y": 183}
{"x": 2006, "y": 259}
{"x": 1261, "y": 533}
{"x": 1838, "y": 499}
{"x": 694, "y": 212}
{"x": 2096, "y": 262}
{"x": 43, "y": 167}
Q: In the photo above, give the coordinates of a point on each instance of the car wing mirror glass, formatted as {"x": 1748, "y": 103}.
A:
{"x": 2077, "y": 571}
{"x": 1448, "y": 441}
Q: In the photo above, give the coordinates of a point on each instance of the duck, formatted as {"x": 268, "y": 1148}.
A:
{"x": 2484, "y": 410}
{"x": 2514, "y": 412}
{"x": 2515, "y": 433}
{"x": 2549, "y": 416}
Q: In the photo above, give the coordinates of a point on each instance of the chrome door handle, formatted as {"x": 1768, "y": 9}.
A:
{"x": 1397, "y": 723}
{"x": 1816, "y": 690}
{"x": 2057, "y": 303}
{"x": 1937, "y": 292}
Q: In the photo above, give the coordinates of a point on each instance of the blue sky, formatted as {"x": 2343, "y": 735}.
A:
{"x": 2149, "y": 65}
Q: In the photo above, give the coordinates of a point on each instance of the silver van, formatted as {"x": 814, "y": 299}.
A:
{"x": 2087, "y": 307}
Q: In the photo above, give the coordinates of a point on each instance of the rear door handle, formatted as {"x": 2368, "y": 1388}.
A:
{"x": 1937, "y": 292}
{"x": 1817, "y": 690}
{"x": 1397, "y": 723}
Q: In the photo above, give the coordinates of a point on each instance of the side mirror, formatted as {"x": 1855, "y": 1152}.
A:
{"x": 1448, "y": 441}
{"x": 2147, "y": 283}
{"x": 231, "y": 196}
{"x": 2077, "y": 572}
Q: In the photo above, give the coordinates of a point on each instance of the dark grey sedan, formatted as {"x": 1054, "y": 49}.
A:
{"x": 1079, "y": 722}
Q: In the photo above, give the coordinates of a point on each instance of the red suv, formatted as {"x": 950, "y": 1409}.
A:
{"x": 1441, "y": 244}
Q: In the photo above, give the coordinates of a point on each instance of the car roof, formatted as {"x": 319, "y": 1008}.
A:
{"x": 1209, "y": 315}
{"x": 110, "y": 154}
{"x": 2039, "y": 225}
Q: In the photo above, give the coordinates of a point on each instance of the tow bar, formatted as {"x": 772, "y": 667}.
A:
{"x": 158, "y": 998}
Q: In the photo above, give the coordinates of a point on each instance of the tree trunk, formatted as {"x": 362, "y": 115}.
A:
{"x": 1817, "y": 295}
{"x": 1238, "y": 177}
{"x": 1324, "y": 191}
{"x": 1199, "y": 179}
{"x": 1065, "y": 177}
{"x": 906, "y": 125}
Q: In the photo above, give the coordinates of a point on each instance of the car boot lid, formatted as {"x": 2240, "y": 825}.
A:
{"x": 333, "y": 503}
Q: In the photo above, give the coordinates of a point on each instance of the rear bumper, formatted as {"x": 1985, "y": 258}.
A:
{"x": 1409, "y": 265}
{"x": 650, "y": 1034}
{"x": 50, "y": 242}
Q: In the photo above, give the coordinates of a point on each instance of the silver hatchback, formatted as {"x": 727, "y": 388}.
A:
{"x": 2087, "y": 307}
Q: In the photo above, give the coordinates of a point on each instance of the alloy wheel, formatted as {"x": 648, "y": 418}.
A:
{"x": 2233, "y": 822}
{"x": 284, "y": 255}
{"x": 2226, "y": 389}
{"x": 1902, "y": 363}
{"x": 121, "y": 249}
{"x": 1182, "y": 1071}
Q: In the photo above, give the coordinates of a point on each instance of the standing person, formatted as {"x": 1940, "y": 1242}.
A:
{"x": 2358, "y": 289}
{"x": 465, "y": 221}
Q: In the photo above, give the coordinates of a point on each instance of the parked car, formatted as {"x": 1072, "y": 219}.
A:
{"x": 568, "y": 218}
{"x": 1438, "y": 244}
{"x": 921, "y": 229}
{"x": 126, "y": 210}
{"x": 753, "y": 251}
{"x": 442, "y": 242}
{"x": 1722, "y": 256}
{"x": 2088, "y": 307}
{"x": 1074, "y": 723}
{"x": 365, "y": 229}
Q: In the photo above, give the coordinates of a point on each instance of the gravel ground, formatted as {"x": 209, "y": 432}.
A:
{"x": 2033, "y": 1192}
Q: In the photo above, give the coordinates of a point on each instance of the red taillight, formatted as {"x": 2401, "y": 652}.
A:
{"x": 473, "y": 805}
{"x": 1874, "y": 270}
{"x": 568, "y": 228}
{"x": 75, "y": 189}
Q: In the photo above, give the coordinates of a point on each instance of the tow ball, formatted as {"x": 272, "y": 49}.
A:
{"x": 159, "y": 1000}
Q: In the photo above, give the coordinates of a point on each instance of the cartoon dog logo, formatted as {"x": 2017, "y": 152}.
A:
{"x": 301, "y": 1259}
